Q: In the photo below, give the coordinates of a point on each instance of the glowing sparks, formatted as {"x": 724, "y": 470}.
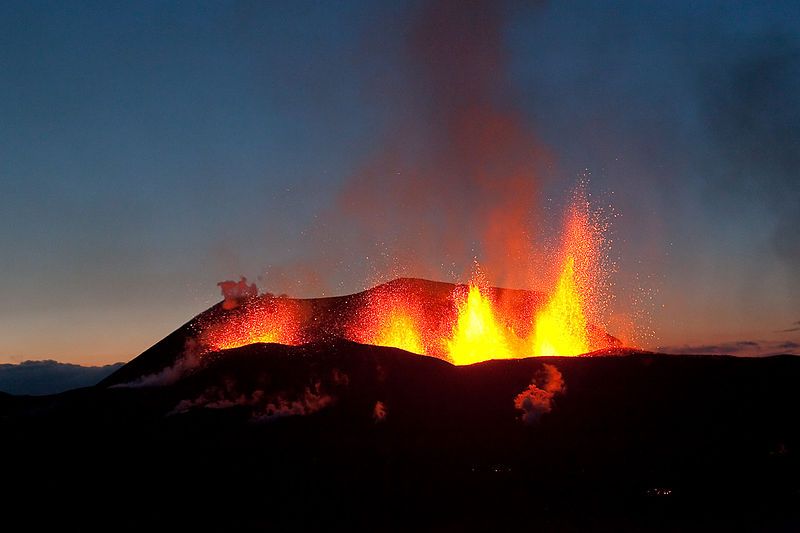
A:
{"x": 389, "y": 316}
{"x": 269, "y": 320}
{"x": 562, "y": 326}
{"x": 477, "y": 335}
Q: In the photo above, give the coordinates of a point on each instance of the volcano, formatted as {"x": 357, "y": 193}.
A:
{"x": 359, "y": 317}
{"x": 336, "y": 433}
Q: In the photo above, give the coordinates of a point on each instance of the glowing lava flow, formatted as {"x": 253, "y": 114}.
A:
{"x": 477, "y": 335}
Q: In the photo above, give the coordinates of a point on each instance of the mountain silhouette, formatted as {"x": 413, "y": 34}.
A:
{"x": 337, "y": 434}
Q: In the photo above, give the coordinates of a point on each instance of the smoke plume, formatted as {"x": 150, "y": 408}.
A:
{"x": 455, "y": 177}
{"x": 263, "y": 406}
{"x": 311, "y": 401}
{"x": 235, "y": 292}
{"x": 537, "y": 399}
{"x": 190, "y": 359}
{"x": 379, "y": 412}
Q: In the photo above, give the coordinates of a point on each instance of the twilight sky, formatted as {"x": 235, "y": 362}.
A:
{"x": 151, "y": 149}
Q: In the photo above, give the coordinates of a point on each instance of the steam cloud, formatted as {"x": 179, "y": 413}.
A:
{"x": 537, "y": 399}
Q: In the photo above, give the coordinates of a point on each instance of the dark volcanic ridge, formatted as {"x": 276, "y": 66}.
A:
{"x": 337, "y": 433}
{"x": 327, "y": 319}
{"x": 376, "y": 437}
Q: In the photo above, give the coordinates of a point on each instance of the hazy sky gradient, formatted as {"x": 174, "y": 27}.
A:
{"x": 151, "y": 149}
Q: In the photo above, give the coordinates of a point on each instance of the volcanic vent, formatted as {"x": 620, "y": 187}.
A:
{"x": 461, "y": 324}
{"x": 458, "y": 323}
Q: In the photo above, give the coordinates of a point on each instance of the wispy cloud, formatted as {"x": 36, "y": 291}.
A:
{"x": 795, "y": 327}
{"x": 743, "y": 348}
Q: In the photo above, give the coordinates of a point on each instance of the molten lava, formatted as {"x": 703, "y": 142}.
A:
{"x": 477, "y": 334}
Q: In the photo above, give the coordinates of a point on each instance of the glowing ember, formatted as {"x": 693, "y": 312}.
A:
{"x": 260, "y": 320}
{"x": 477, "y": 335}
{"x": 561, "y": 325}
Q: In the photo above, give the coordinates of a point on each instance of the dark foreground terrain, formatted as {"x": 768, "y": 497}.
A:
{"x": 277, "y": 437}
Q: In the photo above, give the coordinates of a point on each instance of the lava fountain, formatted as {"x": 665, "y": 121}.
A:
{"x": 477, "y": 334}
{"x": 562, "y": 327}
{"x": 464, "y": 324}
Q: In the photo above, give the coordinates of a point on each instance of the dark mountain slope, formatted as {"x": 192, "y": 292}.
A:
{"x": 271, "y": 436}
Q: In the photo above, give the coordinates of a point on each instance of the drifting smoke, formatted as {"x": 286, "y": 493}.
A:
{"x": 311, "y": 401}
{"x": 379, "y": 412}
{"x": 190, "y": 359}
{"x": 220, "y": 398}
{"x": 456, "y": 176}
{"x": 263, "y": 406}
{"x": 340, "y": 378}
{"x": 235, "y": 292}
{"x": 537, "y": 399}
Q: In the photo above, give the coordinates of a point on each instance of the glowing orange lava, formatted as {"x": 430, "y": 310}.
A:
{"x": 266, "y": 319}
{"x": 477, "y": 334}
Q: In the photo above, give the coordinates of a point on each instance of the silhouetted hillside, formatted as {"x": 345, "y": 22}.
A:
{"x": 348, "y": 435}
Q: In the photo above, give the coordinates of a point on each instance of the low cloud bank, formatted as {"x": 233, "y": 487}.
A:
{"x": 745, "y": 348}
{"x": 50, "y": 377}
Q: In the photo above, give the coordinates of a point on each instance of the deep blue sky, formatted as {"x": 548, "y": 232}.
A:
{"x": 151, "y": 149}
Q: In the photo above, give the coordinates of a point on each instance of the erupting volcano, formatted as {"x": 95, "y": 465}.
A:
{"x": 427, "y": 193}
{"x": 462, "y": 324}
